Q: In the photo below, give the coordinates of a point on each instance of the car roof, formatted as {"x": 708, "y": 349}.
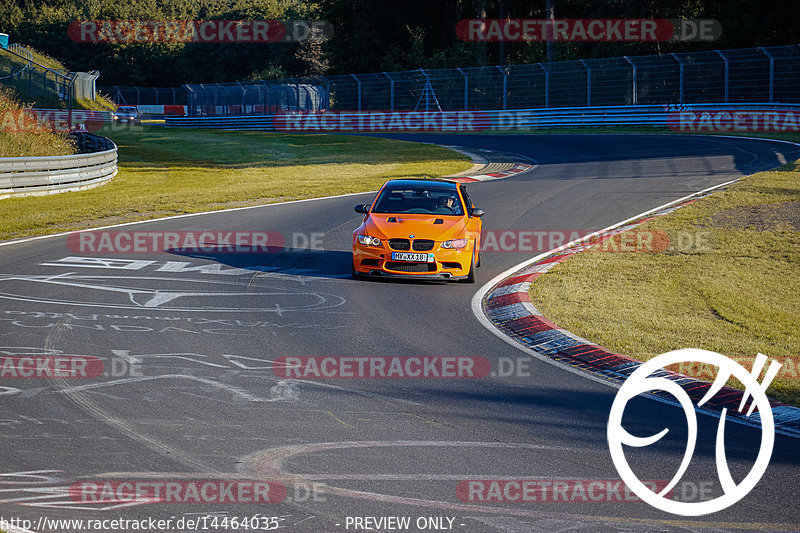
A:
{"x": 422, "y": 183}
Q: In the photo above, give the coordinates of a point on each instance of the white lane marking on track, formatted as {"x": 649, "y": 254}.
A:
{"x": 62, "y": 234}
{"x": 40, "y": 237}
{"x": 477, "y": 299}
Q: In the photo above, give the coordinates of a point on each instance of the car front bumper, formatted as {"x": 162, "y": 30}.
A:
{"x": 447, "y": 264}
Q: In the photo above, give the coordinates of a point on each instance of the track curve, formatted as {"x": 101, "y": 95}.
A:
{"x": 208, "y": 404}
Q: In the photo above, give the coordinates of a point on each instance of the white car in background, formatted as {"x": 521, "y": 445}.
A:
{"x": 127, "y": 114}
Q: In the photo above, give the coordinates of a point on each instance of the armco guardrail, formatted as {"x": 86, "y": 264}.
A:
{"x": 455, "y": 121}
{"x": 29, "y": 176}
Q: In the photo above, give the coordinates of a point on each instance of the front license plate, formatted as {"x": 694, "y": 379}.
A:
{"x": 414, "y": 258}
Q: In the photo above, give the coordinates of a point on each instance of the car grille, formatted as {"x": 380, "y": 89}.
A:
{"x": 399, "y": 244}
{"x": 410, "y": 267}
{"x": 422, "y": 245}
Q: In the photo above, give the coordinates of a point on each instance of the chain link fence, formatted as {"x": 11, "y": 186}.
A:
{"x": 754, "y": 75}
{"x": 32, "y": 81}
{"x": 123, "y": 95}
{"x": 36, "y": 82}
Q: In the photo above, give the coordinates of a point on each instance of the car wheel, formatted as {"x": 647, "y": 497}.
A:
{"x": 471, "y": 275}
{"x": 354, "y": 273}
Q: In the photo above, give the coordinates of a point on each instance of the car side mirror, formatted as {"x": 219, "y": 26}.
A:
{"x": 364, "y": 209}
{"x": 475, "y": 212}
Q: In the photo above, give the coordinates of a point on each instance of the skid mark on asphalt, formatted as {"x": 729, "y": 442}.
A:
{"x": 284, "y": 300}
{"x": 269, "y": 464}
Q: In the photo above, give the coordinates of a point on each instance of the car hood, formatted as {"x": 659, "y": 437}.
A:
{"x": 390, "y": 226}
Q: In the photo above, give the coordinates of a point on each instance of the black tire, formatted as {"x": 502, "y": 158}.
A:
{"x": 471, "y": 275}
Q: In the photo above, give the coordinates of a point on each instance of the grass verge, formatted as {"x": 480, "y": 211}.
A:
{"x": 736, "y": 294}
{"x": 27, "y": 143}
{"x": 40, "y": 94}
{"x": 100, "y": 103}
{"x": 175, "y": 171}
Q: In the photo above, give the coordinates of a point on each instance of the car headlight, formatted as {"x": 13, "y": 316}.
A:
{"x": 366, "y": 240}
{"x": 454, "y": 244}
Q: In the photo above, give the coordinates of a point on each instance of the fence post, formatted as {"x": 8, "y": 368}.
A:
{"x": 466, "y": 88}
{"x": 588, "y": 83}
{"x": 505, "y": 85}
{"x": 725, "y": 59}
{"x": 546, "y": 84}
{"x": 428, "y": 92}
{"x": 391, "y": 91}
{"x": 191, "y": 107}
{"x": 242, "y": 109}
{"x": 359, "y": 91}
{"x": 635, "y": 80}
{"x": 680, "y": 76}
{"x": 771, "y": 72}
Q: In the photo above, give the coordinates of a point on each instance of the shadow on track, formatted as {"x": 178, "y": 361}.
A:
{"x": 303, "y": 262}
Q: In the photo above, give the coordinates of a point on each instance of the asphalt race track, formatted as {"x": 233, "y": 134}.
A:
{"x": 188, "y": 341}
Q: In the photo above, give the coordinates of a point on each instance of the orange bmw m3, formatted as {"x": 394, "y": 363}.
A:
{"x": 420, "y": 228}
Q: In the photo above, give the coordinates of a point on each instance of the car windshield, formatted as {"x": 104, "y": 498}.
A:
{"x": 419, "y": 200}
{"x": 126, "y": 110}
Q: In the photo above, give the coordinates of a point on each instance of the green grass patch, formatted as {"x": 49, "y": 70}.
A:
{"x": 100, "y": 103}
{"x": 27, "y": 143}
{"x": 174, "y": 171}
{"x": 34, "y": 84}
{"x": 736, "y": 295}
{"x": 46, "y": 61}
